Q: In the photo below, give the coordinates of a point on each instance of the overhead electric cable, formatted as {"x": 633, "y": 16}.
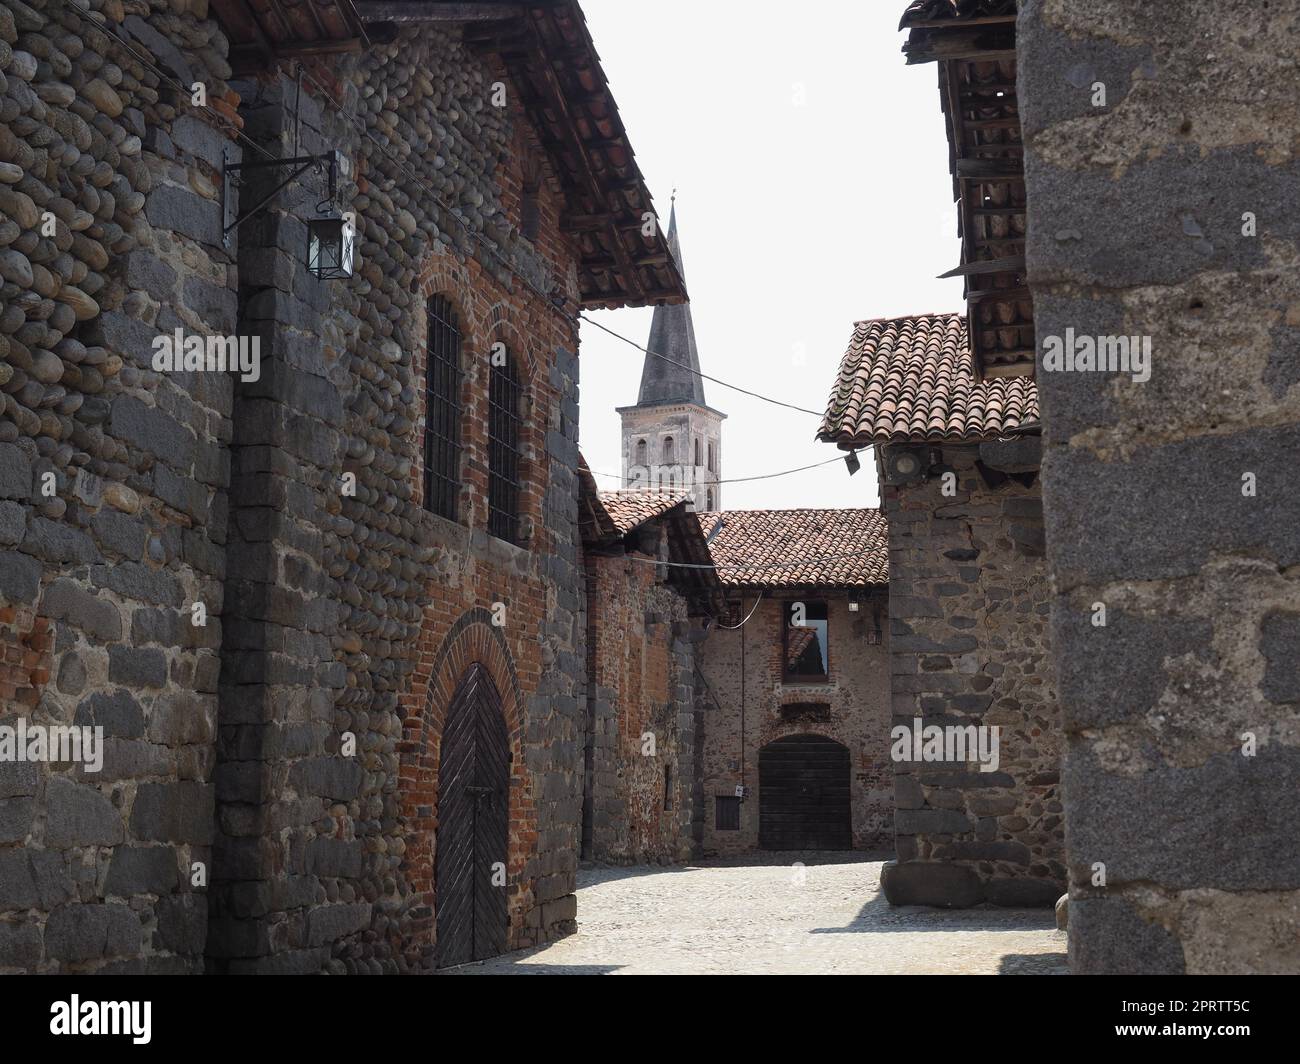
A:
{"x": 356, "y": 120}
{"x": 705, "y": 376}
{"x": 729, "y": 480}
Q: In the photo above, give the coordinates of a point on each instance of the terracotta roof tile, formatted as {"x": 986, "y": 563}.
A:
{"x": 799, "y": 548}
{"x": 911, "y": 379}
{"x": 632, "y": 508}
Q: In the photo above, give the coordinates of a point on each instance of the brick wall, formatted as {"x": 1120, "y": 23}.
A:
{"x": 969, "y": 643}
{"x": 1138, "y": 227}
{"x": 857, "y": 714}
{"x": 643, "y": 684}
{"x": 227, "y": 820}
{"x": 332, "y": 857}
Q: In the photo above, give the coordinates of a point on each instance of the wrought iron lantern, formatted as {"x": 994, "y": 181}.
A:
{"x": 330, "y": 240}
{"x": 331, "y": 237}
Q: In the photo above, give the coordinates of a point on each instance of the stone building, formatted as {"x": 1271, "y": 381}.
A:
{"x": 1163, "y": 254}
{"x": 649, "y": 591}
{"x": 794, "y": 719}
{"x": 968, "y": 604}
{"x": 325, "y": 608}
{"x": 1167, "y": 214}
{"x": 950, "y": 404}
{"x": 672, "y": 439}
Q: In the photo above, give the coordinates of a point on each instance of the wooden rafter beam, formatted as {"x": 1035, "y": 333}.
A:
{"x": 989, "y": 170}
{"x": 560, "y": 104}
{"x": 947, "y": 23}
{"x": 980, "y": 44}
{"x": 416, "y": 11}
{"x": 997, "y": 295}
{"x": 1012, "y": 264}
{"x": 1019, "y": 368}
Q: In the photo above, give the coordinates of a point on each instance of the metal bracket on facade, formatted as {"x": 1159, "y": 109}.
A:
{"x": 230, "y": 220}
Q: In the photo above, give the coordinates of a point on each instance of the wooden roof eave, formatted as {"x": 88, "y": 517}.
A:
{"x": 563, "y": 88}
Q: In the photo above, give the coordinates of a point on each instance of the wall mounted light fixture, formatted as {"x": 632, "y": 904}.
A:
{"x": 331, "y": 237}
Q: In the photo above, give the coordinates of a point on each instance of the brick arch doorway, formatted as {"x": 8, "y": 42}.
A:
{"x": 473, "y": 823}
{"x": 804, "y": 794}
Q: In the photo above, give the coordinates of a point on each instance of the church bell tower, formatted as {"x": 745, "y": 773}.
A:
{"x": 672, "y": 440}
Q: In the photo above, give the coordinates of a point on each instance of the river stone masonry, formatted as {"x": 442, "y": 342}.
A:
{"x": 229, "y": 830}
{"x": 969, "y": 645}
{"x": 113, "y": 481}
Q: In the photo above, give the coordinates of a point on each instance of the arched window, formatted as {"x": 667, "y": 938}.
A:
{"x": 640, "y": 452}
{"x": 698, "y": 456}
{"x": 709, "y": 506}
{"x": 504, "y": 450}
{"x": 712, "y": 465}
{"x": 442, "y": 409}
{"x": 668, "y": 450}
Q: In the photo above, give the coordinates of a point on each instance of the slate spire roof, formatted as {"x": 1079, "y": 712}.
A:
{"x": 672, "y": 333}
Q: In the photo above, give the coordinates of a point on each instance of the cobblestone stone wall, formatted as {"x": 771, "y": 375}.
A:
{"x": 852, "y": 708}
{"x": 641, "y": 723}
{"x": 332, "y": 614}
{"x": 969, "y": 645}
{"x": 372, "y": 606}
{"x": 1168, "y": 213}
{"x": 114, "y": 479}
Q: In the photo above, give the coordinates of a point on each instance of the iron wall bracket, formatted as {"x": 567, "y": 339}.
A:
{"x": 232, "y": 219}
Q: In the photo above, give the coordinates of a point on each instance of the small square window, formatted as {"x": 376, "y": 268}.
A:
{"x": 726, "y": 813}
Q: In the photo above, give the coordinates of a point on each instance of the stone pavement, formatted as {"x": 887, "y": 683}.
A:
{"x": 733, "y": 918}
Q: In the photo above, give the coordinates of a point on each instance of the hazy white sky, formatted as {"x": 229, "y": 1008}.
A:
{"x": 813, "y": 191}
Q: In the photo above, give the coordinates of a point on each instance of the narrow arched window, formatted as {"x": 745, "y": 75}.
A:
{"x": 713, "y": 468}
{"x": 442, "y": 409}
{"x": 668, "y": 450}
{"x": 504, "y": 450}
{"x": 640, "y": 452}
{"x": 698, "y": 458}
{"x": 709, "y": 501}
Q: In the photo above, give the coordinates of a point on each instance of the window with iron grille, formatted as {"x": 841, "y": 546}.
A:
{"x": 503, "y": 449}
{"x": 442, "y": 409}
{"x": 726, "y": 813}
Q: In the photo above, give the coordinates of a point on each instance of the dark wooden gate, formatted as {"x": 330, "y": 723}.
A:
{"x": 804, "y": 799}
{"x": 473, "y": 821}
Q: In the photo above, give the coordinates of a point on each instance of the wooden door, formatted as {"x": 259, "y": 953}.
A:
{"x": 804, "y": 795}
{"x": 473, "y": 822}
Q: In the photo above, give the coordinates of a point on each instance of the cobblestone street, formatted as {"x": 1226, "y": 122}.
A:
{"x": 828, "y": 918}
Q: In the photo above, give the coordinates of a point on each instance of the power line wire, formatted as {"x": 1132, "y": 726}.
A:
{"x": 698, "y": 373}
{"x": 737, "y": 627}
{"x": 474, "y": 235}
{"x": 731, "y": 480}
{"x": 184, "y": 90}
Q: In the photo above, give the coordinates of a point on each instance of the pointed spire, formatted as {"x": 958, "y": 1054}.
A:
{"x": 672, "y": 334}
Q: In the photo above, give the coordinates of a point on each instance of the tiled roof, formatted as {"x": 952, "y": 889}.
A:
{"x": 911, "y": 379}
{"x": 632, "y": 508}
{"x": 799, "y": 548}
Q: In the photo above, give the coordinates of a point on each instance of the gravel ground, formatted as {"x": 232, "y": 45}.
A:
{"x": 827, "y": 917}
